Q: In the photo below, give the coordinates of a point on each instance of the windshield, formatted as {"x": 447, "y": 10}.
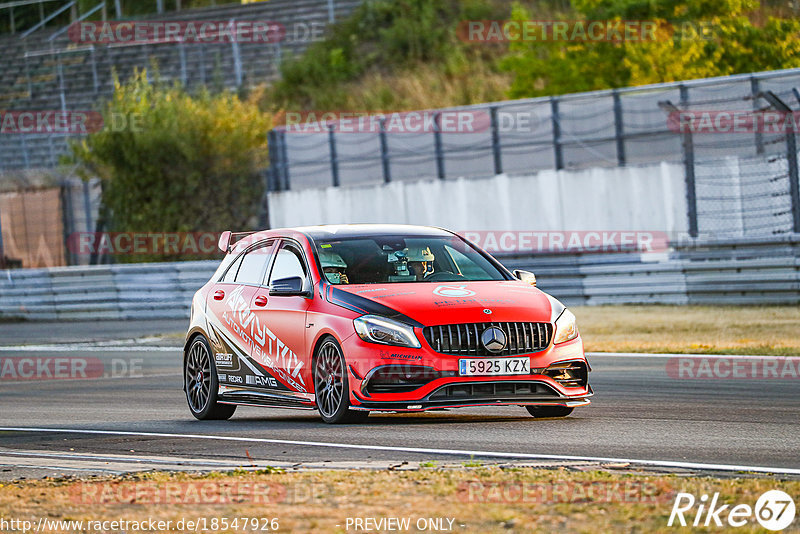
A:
{"x": 398, "y": 259}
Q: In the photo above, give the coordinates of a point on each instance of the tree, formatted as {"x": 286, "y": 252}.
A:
{"x": 692, "y": 40}
{"x": 171, "y": 161}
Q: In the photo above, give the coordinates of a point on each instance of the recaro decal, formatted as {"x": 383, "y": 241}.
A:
{"x": 266, "y": 347}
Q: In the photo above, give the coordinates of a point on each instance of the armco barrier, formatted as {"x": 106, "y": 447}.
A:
{"x": 133, "y": 291}
{"x": 764, "y": 271}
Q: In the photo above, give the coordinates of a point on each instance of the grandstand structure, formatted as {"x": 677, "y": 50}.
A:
{"x": 44, "y": 69}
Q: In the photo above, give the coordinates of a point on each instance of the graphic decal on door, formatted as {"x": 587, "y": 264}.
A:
{"x": 263, "y": 344}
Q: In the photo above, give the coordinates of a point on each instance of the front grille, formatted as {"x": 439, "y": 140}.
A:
{"x": 476, "y": 391}
{"x": 465, "y": 339}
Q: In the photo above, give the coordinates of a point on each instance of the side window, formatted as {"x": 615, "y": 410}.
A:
{"x": 253, "y": 264}
{"x": 288, "y": 263}
{"x": 230, "y": 274}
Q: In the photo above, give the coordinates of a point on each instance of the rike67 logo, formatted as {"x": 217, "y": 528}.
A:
{"x": 774, "y": 510}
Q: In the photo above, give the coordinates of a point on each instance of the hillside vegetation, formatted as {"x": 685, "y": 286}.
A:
{"x": 409, "y": 54}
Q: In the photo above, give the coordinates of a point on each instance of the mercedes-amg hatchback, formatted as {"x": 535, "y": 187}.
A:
{"x": 358, "y": 318}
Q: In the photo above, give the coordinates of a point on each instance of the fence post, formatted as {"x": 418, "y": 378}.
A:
{"x": 496, "y": 148}
{"x": 182, "y": 56}
{"x": 689, "y": 165}
{"x": 387, "y": 174}
{"x": 556, "y": 119}
{"x": 794, "y": 183}
{"x": 272, "y": 152}
{"x": 334, "y": 156}
{"x": 87, "y": 205}
{"x": 237, "y": 59}
{"x": 619, "y": 129}
{"x": 437, "y": 141}
{"x": 67, "y": 218}
{"x": 287, "y": 183}
{"x": 331, "y": 12}
{"x": 2, "y": 250}
{"x": 755, "y": 90}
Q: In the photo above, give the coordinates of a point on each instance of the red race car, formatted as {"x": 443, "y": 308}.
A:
{"x": 358, "y": 318}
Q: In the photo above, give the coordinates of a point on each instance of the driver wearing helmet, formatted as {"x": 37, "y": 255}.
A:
{"x": 333, "y": 266}
{"x": 420, "y": 261}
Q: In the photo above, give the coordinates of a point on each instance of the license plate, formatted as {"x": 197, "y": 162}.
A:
{"x": 494, "y": 366}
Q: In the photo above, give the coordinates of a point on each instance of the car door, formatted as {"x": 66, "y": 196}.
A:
{"x": 231, "y": 324}
{"x": 285, "y": 319}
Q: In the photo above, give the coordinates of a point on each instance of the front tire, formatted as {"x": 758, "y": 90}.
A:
{"x": 201, "y": 383}
{"x": 332, "y": 387}
{"x": 540, "y": 412}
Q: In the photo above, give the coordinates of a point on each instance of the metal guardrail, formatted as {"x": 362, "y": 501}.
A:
{"x": 135, "y": 291}
{"x": 727, "y": 272}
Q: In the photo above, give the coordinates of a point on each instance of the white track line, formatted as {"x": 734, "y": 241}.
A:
{"x": 420, "y": 450}
{"x": 678, "y": 355}
{"x": 87, "y": 348}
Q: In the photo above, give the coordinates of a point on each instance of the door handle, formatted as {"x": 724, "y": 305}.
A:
{"x": 261, "y": 301}
{"x": 219, "y": 294}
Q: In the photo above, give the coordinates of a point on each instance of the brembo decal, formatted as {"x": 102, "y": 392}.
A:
{"x": 262, "y": 342}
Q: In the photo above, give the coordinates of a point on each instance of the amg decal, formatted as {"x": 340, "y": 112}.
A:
{"x": 262, "y": 381}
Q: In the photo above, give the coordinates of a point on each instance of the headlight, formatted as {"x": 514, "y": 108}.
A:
{"x": 566, "y": 328}
{"x": 376, "y": 329}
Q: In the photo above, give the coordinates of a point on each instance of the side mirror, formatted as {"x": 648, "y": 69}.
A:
{"x": 525, "y": 276}
{"x": 288, "y": 287}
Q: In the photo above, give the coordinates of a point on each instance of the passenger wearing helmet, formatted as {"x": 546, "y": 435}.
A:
{"x": 420, "y": 261}
{"x": 333, "y": 266}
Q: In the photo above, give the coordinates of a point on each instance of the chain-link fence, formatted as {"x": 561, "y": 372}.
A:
{"x": 740, "y": 180}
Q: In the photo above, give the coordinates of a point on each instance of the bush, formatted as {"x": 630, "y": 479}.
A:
{"x": 175, "y": 162}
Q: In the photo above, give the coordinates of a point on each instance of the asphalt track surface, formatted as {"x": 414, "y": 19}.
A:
{"x": 139, "y": 419}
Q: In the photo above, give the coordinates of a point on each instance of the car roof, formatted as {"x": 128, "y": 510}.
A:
{"x": 340, "y": 231}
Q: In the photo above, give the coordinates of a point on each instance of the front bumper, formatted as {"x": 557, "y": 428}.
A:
{"x": 445, "y": 388}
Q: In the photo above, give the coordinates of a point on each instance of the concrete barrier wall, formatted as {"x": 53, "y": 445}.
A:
{"x": 763, "y": 271}
{"x": 649, "y": 197}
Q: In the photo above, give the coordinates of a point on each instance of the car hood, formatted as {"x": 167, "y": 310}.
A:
{"x": 432, "y": 303}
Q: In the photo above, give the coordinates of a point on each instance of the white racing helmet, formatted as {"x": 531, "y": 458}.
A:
{"x": 331, "y": 260}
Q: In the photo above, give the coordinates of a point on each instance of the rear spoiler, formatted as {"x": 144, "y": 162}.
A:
{"x": 228, "y": 239}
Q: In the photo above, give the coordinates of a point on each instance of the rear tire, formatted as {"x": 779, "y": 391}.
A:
{"x": 540, "y": 412}
{"x": 201, "y": 383}
{"x": 332, "y": 387}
